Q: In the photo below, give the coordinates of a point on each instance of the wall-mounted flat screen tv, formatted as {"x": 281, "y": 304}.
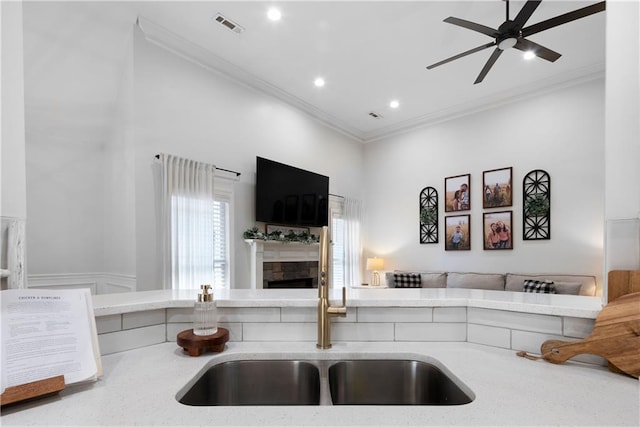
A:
{"x": 288, "y": 195}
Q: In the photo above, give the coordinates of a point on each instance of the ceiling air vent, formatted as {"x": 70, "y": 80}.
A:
{"x": 375, "y": 115}
{"x": 232, "y": 26}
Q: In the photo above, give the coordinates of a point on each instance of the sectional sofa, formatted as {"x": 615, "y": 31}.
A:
{"x": 568, "y": 284}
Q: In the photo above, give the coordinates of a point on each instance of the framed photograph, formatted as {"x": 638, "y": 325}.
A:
{"x": 496, "y": 188}
{"x": 458, "y": 232}
{"x": 456, "y": 193}
{"x": 498, "y": 231}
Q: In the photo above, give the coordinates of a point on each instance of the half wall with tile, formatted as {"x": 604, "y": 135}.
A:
{"x": 497, "y": 328}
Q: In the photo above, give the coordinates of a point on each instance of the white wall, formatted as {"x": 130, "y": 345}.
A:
{"x": 13, "y": 184}
{"x": 184, "y": 109}
{"x": 119, "y": 189}
{"x": 623, "y": 135}
{"x": 13, "y": 190}
{"x": 79, "y": 175}
{"x": 13, "y": 203}
{"x": 560, "y": 132}
{"x": 65, "y": 202}
{"x": 623, "y": 108}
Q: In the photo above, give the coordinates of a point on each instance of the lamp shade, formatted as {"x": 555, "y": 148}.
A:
{"x": 375, "y": 264}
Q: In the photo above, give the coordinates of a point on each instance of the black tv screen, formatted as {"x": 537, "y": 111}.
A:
{"x": 288, "y": 195}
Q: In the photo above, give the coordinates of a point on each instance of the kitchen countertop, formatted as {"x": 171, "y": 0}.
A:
{"x": 557, "y": 305}
{"x": 139, "y": 388}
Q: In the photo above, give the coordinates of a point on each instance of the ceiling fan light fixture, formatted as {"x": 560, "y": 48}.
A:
{"x": 529, "y": 55}
{"x": 507, "y": 43}
{"x": 515, "y": 33}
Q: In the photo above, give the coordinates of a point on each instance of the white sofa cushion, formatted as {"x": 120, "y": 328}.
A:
{"x": 433, "y": 280}
{"x": 492, "y": 282}
{"x": 567, "y": 288}
{"x": 388, "y": 278}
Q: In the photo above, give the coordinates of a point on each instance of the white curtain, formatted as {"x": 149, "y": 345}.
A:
{"x": 352, "y": 246}
{"x": 186, "y": 222}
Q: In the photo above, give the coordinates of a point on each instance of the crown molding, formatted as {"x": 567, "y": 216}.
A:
{"x": 520, "y": 93}
{"x": 172, "y": 42}
{"x": 204, "y": 58}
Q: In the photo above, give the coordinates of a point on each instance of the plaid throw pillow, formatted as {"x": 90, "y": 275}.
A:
{"x": 539, "y": 286}
{"x": 407, "y": 280}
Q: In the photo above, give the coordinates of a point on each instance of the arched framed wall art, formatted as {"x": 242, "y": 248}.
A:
{"x": 536, "y": 206}
{"x": 429, "y": 215}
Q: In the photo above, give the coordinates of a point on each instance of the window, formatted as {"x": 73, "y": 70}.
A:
{"x": 205, "y": 225}
{"x": 337, "y": 251}
{"x": 221, "y": 244}
{"x": 337, "y": 242}
{"x": 346, "y": 250}
{"x": 196, "y": 219}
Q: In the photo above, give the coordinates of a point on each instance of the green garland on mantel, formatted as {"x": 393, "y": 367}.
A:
{"x": 280, "y": 236}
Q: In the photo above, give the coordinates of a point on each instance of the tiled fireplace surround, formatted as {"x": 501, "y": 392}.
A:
{"x": 496, "y": 328}
{"x": 272, "y": 260}
{"x": 289, "y": 271}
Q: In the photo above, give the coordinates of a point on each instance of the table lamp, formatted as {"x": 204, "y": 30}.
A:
{"x": 375, "y": 264}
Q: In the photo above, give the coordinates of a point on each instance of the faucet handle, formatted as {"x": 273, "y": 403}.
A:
{"x": 321, "y": 283}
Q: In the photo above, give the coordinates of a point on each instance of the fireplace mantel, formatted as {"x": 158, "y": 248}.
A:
{"x": 272, "y": 251}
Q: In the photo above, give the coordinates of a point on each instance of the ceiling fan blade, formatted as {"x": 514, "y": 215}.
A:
{"x": 539, "y": 50}
{"x": 488, "y": 31}
{"x": 492, "y": 60}
{"x": 526, "y": 12}
{"x": 460, "y": 55}
{"x": 563, "y": 19}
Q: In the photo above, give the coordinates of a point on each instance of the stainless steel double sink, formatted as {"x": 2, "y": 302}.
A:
{"x": 325, "y": 382}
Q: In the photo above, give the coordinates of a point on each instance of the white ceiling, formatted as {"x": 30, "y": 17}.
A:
{"x": 369, "y": 52}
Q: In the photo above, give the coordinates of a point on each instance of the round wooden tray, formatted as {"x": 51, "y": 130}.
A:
{"x": 195, "y": 345}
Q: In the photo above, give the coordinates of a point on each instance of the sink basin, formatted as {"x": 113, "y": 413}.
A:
{"x": 256, "y": 382}
{"x": 325, "y": 382}
{"x": 392, "y": 382}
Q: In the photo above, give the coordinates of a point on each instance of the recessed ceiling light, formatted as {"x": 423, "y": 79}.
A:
{"x": 319, "y": 82}
{"x": 274, "y": 14}
{"x": 394, "y": 104}
{"x": 529, "y": 55}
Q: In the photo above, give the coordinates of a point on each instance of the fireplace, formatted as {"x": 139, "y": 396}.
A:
{"x": 290, "y": 275}
{"x": 303, "y": 282}
{"x": 275, "y": 261}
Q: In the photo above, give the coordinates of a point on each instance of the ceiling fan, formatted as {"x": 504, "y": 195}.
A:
{"x": 513, "y": 33}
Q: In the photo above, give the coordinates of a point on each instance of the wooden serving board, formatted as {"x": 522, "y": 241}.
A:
{"x": 615, "y": 336}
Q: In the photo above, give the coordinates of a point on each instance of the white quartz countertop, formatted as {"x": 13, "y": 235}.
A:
{"x": 557, "y": 305}
{"x": 139, "y": 388}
